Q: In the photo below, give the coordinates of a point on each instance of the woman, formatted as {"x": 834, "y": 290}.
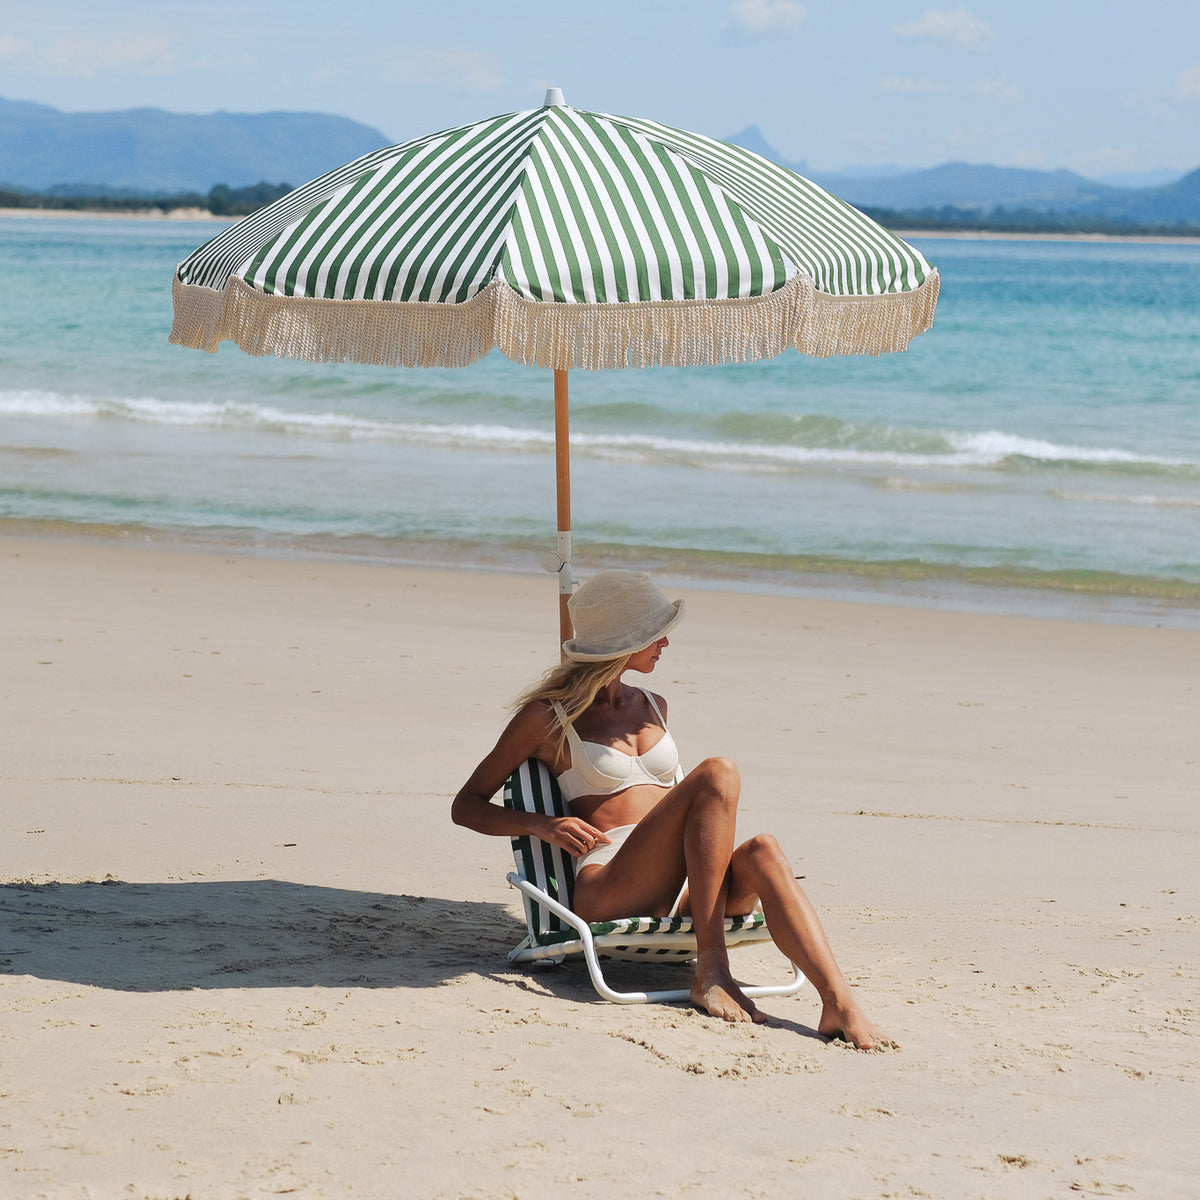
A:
{"x": 646, "y": 844}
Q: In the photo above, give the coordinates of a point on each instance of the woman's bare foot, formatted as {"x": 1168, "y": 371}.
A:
{"x": 849, "y": 1023}
{"x": 716, "y": 992}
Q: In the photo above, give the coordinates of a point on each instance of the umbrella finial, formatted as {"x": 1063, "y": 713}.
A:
{"x": 554, "y": 98}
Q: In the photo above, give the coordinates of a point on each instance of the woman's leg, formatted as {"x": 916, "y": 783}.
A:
{"x": 760, "y": 871}
{"x": 688, "y": 834}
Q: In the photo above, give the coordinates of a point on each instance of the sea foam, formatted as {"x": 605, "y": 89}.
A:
{"x": 878, "y": 446}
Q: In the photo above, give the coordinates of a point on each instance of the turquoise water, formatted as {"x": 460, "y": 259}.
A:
{"x": 1043, "y": 439}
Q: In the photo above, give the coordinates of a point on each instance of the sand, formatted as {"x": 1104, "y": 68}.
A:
{"x": 244, "y": 953}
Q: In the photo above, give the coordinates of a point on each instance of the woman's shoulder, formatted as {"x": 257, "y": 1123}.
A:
{"x": 538, "y": 728}
{"x": 655, "y": 701}
{"x": 536, "y": 714}
{"x": 530, "y": 733}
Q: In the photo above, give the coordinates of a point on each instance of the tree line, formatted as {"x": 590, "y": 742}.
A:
{"x": 948, "y": 219}
{"x": 221, "y": 200}
{"x": 225, "y": 201}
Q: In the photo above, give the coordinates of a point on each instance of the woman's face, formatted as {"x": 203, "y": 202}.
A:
{"x": 645, "y": 660}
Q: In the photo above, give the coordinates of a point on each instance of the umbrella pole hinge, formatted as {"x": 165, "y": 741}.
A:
{"x": 558, "y": 562}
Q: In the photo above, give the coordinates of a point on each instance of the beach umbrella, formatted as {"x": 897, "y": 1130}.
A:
{"x": 567, "y": 239}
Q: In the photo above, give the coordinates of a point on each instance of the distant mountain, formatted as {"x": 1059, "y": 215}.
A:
{"x": 1140, "y": 179}
{"x": 984, "y": 189}
{"x": 878, "y": 171}
{"x": 964, "y": 185}
{"x": 751, "y": 138}
{"x": 995, "y": 191}
{"x": 1174, "y": 204}
{"x": 149, "y": 150}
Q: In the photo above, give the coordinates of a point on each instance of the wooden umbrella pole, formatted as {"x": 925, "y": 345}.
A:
{"x": 562, "y": 455}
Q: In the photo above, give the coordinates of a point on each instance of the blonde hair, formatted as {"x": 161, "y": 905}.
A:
{"x": 574, "y": 685}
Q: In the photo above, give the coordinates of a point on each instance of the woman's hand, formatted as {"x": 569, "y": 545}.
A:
{"x": 575, "y": 836}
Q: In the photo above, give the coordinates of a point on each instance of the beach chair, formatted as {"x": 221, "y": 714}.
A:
{"x": 545, "y": 877}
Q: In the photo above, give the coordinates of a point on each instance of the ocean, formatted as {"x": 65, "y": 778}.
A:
{"x": 1037, "y": 451}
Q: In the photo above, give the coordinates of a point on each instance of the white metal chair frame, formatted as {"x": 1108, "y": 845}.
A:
{"x": 545, "y": 876}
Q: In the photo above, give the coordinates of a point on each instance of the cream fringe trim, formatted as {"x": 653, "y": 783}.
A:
{"x": 679, "y": 333}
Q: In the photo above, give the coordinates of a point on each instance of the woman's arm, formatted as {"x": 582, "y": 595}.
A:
{"x": 527, "y": 735}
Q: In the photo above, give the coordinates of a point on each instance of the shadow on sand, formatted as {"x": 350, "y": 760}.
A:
{"x": 253, "y": 933}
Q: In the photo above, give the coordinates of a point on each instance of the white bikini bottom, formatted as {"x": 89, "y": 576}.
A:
{"x": 603, "y": 852}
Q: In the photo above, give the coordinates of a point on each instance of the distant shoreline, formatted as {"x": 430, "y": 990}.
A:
{"x": 113, "y": 214}
{"x": 973, "y": 235}
{"x": 987, "y": 235}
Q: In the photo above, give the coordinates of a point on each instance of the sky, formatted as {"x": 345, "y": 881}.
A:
{"x": 1095, "y": 86}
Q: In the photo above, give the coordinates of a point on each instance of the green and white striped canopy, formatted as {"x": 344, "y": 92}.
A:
{"x": 566, "y": 238}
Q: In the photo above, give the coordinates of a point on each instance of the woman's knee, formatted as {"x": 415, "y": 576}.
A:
{"x": 765, "y": 855}
{"x": 758, "y": 868}
{"x": 720, "y": 774}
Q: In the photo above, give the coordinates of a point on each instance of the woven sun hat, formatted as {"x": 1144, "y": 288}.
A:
{"x": 617, "y": 613}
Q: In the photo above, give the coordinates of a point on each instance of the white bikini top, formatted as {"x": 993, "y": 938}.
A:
{"x": 598, "y": 770}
